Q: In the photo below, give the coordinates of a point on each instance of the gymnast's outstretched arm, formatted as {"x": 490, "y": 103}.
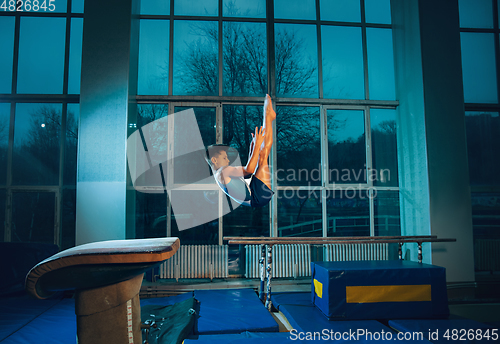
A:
{"x": 251, "y": 166}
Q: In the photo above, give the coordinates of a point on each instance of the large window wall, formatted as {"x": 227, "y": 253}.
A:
{"x": 39, "y": 85}
{"x": 328, "y": 66}
{"x": 479, "y": 22}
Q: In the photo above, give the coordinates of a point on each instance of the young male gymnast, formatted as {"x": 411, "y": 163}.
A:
{"x": 231, "y": 178}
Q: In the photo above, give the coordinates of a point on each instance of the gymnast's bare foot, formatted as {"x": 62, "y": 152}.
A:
{"x": 268, "y": 108}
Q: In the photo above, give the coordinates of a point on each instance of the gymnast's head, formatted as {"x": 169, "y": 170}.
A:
{"x": 217, "y": 156}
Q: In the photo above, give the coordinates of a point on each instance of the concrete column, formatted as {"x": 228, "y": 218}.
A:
{"x": 434, "y": 178}
{"x": 108, "y": 78}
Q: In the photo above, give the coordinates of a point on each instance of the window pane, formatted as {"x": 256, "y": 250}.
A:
{"x": 378, "y": 11}
{"x": 196, "y": 58}
{"x": 386, "y": 211}
{"x": 295, "y": 9}
{"x": 346, "y": 147}
{"x": 2, "y": 215}
{"x": 196, "y": 7}
{"x": 155, "y": 7}
{"x": 7, "y": 55}
{"x": 343, "y": 75}
{"x": 71, "y": 147}
{"x": 33, "y": 217}
{"x": 147, "y": 113}
{"x": 36, "y": 144}
{"x": 299, "y": 213}
{"x": 380, "y": 64}
{"x": 155, "y": 138}
{"x": 4, "y": 141}
{"x": 479, "y": 67}
{"x": 476, "y": 13}
{"x": 41, "y": 55}
{"x": 205, "y": 234}
{"x": 59, "y": 6}
{"x": 77, "y": 6}
{"x": 68, "y": 219}
{"x": 296, "y": 60}
{"x": 244, "y": 8}
{"x": 150, "y": 215}
{"x": 348, "y": 212}
{"x": 187, "y": 167}
{"x": 298, "y": 146}
{"x": 153, "y": 57}
{"x": 340, "y": 10}
{"x": 39, "y": 7}
{"x": 483, "y": 145}
{"x": 75, "y": 56}
{"x": 247, "y": 221}
{"x": 239, "y": 124}
{"x": 245, "y": 59}
{"x": 384, "y": 147}
{"x": 485, "y": 219}
{"x": 486, "y": 231}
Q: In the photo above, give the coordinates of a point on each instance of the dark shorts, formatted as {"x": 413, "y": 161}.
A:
{"x": 261, "y": 194}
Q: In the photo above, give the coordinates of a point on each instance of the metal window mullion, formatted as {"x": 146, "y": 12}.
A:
{"x": 497, "y": 45}
{"x": 66, "y": 50}
{"x": 365, "y": 49}
{"x": 10, "y": 153}
{"x": 219, "y": 136}
{"x": 271, "y": 90}
{"x": 221, "y": 47}
{"x": 271, "y": 56}
{"x": 324, "y": 163}
{"x": 324, "y": 212}
{"x": 324, "y": 145}
{"x": 320, "y": 50}
{"x": 59, "y": 193}
{"x": 273, "y": 214}
{"x": 369, "y": 168}
{"x": 170, "y": 169}
{"x": 15, "y": 58}
{"x": 171, "y": 51}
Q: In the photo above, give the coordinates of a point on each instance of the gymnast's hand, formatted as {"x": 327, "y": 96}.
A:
{"x": 259, "y": 136}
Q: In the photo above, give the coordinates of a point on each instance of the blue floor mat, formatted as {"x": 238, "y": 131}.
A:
{"x": 55, "y": 325}
{"x": 297, "y": 299}
{"x": 16, "y": 312}
{"x": 245, "y": 337}
{"x": 232, "y": 311}
{"x": 309, "y": 323}
{"x": 454, "y": 329}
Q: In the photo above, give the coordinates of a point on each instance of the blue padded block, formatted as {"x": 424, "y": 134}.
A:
{"x": 245, "y": 337}
{"x": 307, "y": 320}
{"x": 166, "y": 301}
{"x": 232, "y": 311}
{"x": 336, "y": 276}
{"x": 57, "y": 325}
{"x": 435, "y": 329}
{"x": 297, "y": 299}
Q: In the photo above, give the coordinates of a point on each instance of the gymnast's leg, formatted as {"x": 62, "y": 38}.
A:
{"x": 262, "y": 172}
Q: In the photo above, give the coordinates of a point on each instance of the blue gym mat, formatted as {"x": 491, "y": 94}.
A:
{"x": 232, "y": 311}
{"x": 306, "y": 318}
{"x": 297, "y": 299}
{"x": 38, "y": 321}
{"x": 452, "y": 330}
{"x": 245, "y": 337}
